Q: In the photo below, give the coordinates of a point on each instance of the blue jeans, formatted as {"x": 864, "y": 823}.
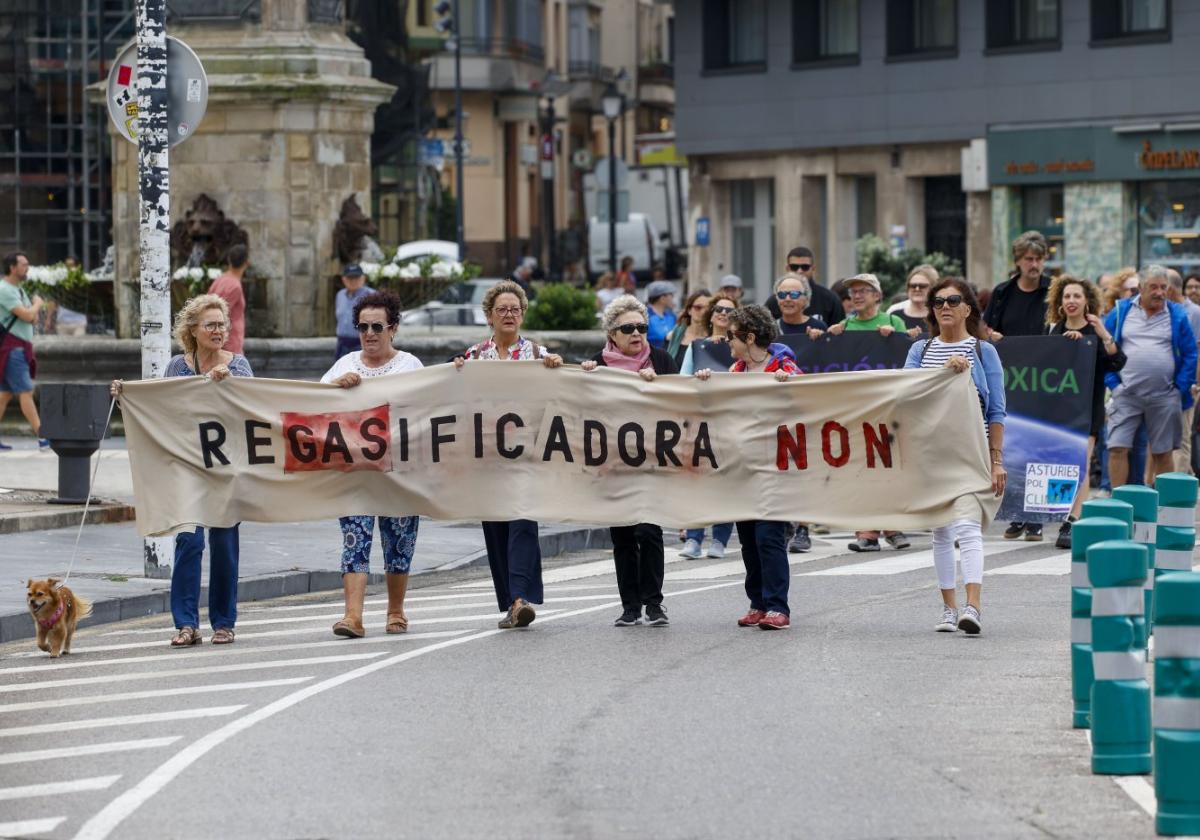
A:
{"x": 515, "y": 558}
{"x": 222, "y": 578}
{"x": 399, "y": 535}
{"x": 346, "y": 345}
{"x": 720, "y": 533}
{"x": 764, "y": 551}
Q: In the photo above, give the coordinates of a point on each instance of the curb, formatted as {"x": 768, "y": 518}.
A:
{"x": 262, "y": 587}
{"x": 67, "y": 517}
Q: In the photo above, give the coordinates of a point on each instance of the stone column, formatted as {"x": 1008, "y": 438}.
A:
{"x": 1006, "y": 226}
{"x": 285, "y": 141}
{"x": 1097, "y": 224}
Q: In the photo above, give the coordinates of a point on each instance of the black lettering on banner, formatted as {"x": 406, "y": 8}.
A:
{"x": 403, "y": 426}
{"x": 556, "y": 441}
{"x": 703, "y": 447}
{"x": 504, "y": 420}
{"x": 594, "y": 457}
{"x": 378, "y": 439}
{"x": 253, "y": 442}
{"x": 211, "y": 446}
{"x": 436, "y": 438}
{"x": 335, "y": 441}
{"x": 304, "y": 451}
{"x": 478, "y": 435}
{"x": 666, "y": 435}
{"x": 639, "y": 437}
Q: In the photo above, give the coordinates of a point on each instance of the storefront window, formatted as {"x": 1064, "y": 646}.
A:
{"x": 1042, "y": 210}
{"x": 1169, "y": 224}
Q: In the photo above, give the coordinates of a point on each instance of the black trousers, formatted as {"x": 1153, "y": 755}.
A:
{"x": 638, "y": 554}
{"x": 515, "y": 557}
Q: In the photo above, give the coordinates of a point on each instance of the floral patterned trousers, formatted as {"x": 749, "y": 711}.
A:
{"x": 399, "y": 541}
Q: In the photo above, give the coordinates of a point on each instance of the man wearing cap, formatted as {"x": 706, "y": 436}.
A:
{"x": 823, "y": 303}
{"x": 660, "y": 295}
{"x": 731, "y": 287}
{"x": 355, "y": 288}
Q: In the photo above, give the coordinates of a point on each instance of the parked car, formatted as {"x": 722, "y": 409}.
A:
{"x": 460, "y": 305}
{"x": 428, "y": 248}
{"x": 637, "y": 238}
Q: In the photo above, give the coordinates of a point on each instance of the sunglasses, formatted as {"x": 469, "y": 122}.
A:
{"x": 722, "y": 310}
{"x": 950, "y": 300}
{"x": 630, "y": 329}
{"x": 794, "y": 294}
{"x": 799, "y": 266}
{"x": 916, "y": 287}
{"x": 375, "y": 327}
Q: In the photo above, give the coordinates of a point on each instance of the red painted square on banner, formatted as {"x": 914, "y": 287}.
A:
{"x": 343, "y": 441}
{"x": 124, "y": 74}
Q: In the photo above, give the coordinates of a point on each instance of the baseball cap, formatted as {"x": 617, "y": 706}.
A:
{"x": 869, "y": 279}
{"x": 352, "y": 270}
{"x": 730, "y": 281}
{"x": 659, "y": 288}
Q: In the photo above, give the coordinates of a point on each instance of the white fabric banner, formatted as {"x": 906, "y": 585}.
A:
{"x": 514, "y": 440}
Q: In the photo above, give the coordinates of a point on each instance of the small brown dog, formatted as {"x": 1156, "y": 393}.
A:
{"x": 55, "y": 610}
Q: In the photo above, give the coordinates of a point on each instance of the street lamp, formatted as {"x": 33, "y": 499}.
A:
{"x": 550, "y": 87}
{"x": 612, "y": 103}
{"x": 448, "y": 23}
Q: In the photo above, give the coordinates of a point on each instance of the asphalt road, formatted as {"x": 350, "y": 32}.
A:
{"x": 858, "y": 722}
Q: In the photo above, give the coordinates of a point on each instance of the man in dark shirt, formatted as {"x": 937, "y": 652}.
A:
{"x": 1018, "y": 307}
{"x": 824, "y": 304}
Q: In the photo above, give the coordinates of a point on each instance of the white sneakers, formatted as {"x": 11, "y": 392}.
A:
{"x": 691, "y": 550}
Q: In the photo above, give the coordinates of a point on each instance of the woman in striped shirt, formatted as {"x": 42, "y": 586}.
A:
{"x": 954, "y": 323}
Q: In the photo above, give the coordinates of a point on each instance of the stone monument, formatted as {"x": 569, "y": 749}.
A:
{"x": 287, "y": 135}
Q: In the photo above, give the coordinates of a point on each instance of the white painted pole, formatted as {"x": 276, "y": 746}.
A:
{"x": 154, "y": 247}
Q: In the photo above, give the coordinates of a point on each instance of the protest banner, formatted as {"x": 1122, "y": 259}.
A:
{"x": 845, "y": 353}
{"x": 501, "y": 441}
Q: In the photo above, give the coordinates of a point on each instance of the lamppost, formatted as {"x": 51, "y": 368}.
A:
{"x": 613, "y": 103}
{"x": 551, "y": 87}
{"x": 449, "y": 23}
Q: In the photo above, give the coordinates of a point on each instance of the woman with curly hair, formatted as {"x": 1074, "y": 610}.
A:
{"x": 1073, "y": 310}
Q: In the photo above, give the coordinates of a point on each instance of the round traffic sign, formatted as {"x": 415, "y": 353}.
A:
{"x": 187, "y": 92}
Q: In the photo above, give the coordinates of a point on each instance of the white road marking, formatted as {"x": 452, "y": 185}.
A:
{"x": 65, "y": 702}
{"x": 1054, "y": 564}
{"x": 186, "y": 672}
{"x": 55, "y": 788}
{"x": 712, "y": 571}
{"x": 24, "y": 828}
{"x": 910, "y": 561}
{"x": 370, "y": 602}
{"x": 87, "y": 749}
{"x": 292, "y": 632}
{"x": 332, "y": 617}
{"x": 121, "y": 720}
{"x": 106, "y": 821}
{"x": 1140, "y": 791}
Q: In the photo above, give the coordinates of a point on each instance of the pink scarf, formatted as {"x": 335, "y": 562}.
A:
{"x": 615, "y": 358}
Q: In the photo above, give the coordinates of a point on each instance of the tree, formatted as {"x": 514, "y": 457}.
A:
{"x": 874, "y": 256}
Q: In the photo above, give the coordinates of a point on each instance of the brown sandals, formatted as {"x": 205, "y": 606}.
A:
{"x": 348, "y": 629}
{"x": 186, "y": 637}
{"x": 397, "y": 623}
{"x": 224, "y": 636}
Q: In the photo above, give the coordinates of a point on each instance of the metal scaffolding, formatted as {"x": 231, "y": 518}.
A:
{"x": 55, "y": 180}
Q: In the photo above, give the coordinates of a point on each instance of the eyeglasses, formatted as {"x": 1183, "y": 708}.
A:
{"x": 630, "y": 329}
{"x": 374, "y": 326}
{"x": 800, "y": 266}
{"x": 949, "y": 300}
{"x": 860, "y": 290}
{"x": 794, "y": 294}
{"x": 214, "y": 326}
{"x": 722, "y": 310}
{"x": 504, "y": 311}
{"x": 740, "y": 336}
{"x": 917, "y": 287}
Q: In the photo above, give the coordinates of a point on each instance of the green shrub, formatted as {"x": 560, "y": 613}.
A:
{"x": 874, "y": 256}
{"x": 562, "y": 307}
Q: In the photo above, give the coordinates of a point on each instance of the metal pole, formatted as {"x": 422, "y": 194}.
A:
{"x": 547, "y": 164}
{"x": 458, "y": 137}
{"x": 612, "y": 196}
{"x": 155, "y": 220}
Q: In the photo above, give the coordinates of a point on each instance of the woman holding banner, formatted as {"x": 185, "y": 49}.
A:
{"x": 514, "y": 554}
{"x": 1073, "y": 310}
{"x": 201, "y": 328}
{"x": 688, "y": 328}
{"x": 637, "y": 549}
{"x": 752, "y": 334}
{"x": 376, "y": 317}
{"x": 954, "y": 323}
{"x": 793, "y": 293}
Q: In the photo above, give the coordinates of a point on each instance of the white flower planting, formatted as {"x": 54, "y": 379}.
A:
{"x": 390, "y": 271}
{"x": 49, "y": 275}
{"x": 439, "y": 269}
{"x": 196, "y": 273}
{"x": 411, "y": 271}
{"x": 214, "y": 273}
{"x": 180, "y": 274}
{"x": 370, "y": 269}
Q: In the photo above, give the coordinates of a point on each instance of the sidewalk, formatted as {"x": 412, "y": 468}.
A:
{"x": 276, "y": 559}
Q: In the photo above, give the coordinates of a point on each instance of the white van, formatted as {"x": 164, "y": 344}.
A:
{"x": 637, "y": 238}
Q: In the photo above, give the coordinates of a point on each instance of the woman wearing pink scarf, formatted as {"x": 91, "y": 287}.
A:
{"x": 637, "y": 549}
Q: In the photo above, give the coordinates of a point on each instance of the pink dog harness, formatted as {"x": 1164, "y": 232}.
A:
{"x": 47, "y": 623}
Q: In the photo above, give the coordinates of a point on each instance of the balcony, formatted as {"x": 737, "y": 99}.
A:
{"x": 495, "y": 64}
{"x": 656, "y": 83}
{"x": 589, "y": 71}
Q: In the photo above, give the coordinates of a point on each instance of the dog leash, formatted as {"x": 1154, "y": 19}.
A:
{"x": 87, "y": 502}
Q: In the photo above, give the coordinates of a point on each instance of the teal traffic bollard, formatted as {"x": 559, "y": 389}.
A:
{"x": 1177, "y": 703}
{"x": 1145, "y": 525}
{"x": 1120, "y": 694}
{"x": 1086, "y": 532}
{"x": 1176, "y": 537}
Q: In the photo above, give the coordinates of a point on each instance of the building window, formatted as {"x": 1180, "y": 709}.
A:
{"x": 1137, "y": 20}
{"x": 422, "y": 12}
{"x": 864, "y": 205}
{"x": 926, "y": 28}
{"x": 1022, "y": 23}
{"x": 735, "y": 34}
{"x": 752, "y": 222}
{"x": 824, "y": 29}
{"x": 946, "y": 217}
{"x": 1042, "y": 210}
{"x": 1168, "y": 212}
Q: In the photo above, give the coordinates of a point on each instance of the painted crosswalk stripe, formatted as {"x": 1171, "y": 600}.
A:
{"x": 120, "y": 720}
{"x": 370, "y": 602}
{"x": 120, "y": 697}
{"x": 25, "y": 828}
{"x": 50, "y": 685}
{"x": 1054, "y": 564}
{"x": 332, "y": 617}
{"x": 713, "y": 571}
{"x": 84, "y": 647}
{"x": 902, "y": 562}
{"x": 57, "y": 788}
{"x": 212, "y": 654}
{"x": 87, "y": 749}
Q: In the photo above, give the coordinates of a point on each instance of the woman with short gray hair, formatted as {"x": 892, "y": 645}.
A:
{"x": 637, "y": 549}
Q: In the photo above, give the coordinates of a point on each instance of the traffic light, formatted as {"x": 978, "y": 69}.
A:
{"x": 445, "y": 21}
